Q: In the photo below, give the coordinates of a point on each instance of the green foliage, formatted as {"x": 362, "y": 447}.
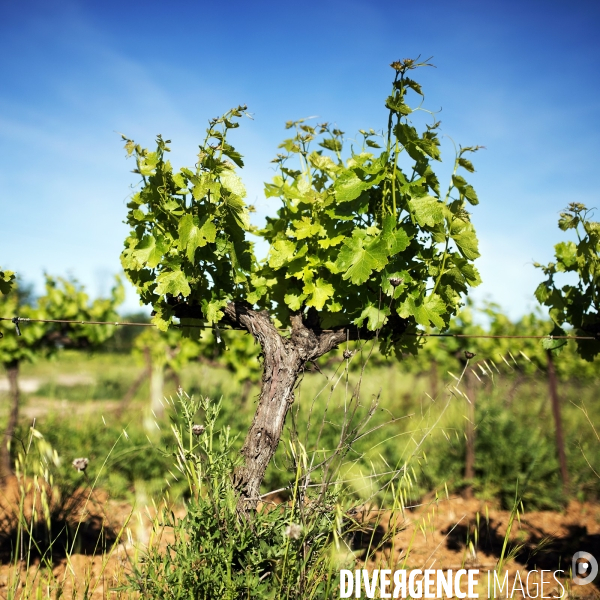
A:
{"x": 515, "y": 452}
{"x": 575, "y": 305}
{"x": 13, "y": 348}
{"x": 232, "y": 350}
{"x": 122, "y": 460}
{"x": 188, "y": 228}
{"x": 350, "y": 223}
{"x": 167, "y": 349}
{"x": 237, "y": 352}
{"x": 124, "y": 337}
{"x": 515, "y": 447}
{"x": 347, "y": 227}
{"x": 63, "y": 300}
{"x": 518, "y": 356}
{"x": 106, "y": 387}
{"x": 7, "y": 279}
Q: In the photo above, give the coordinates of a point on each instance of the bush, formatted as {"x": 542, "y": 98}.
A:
{"x": 291, "y": 550}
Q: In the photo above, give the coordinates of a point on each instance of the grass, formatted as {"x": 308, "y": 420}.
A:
{"x": 514, "y": 428}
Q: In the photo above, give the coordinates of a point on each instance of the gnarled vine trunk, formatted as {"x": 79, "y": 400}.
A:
{"x": 282, "y": 369}
{"x": 284, "y": 362}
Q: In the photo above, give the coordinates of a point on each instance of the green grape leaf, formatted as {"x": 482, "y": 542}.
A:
{"x": 172, "y": 283}
{"x": 294, "y": 299}
{"x": 230, "y": 181}
{"x": 147, "y": 165}
{"x": 149, "y": 251}
{"x": 7, "y": 279}
{"x": 318, "y": 292}
{"x": 348, "y": 186}
{"x": 331, "y": 144}
{"x": 161, "y": 323}
{"x": 194, "y": 234}
{"x": 331, "y": 242}
{"x": 427, "y": 312}
{"x": 360, "y": 256}
{"x": 236, "y": 207}
{"x": 376, "y": 317}
{"x": 467, "y": 270}
{"x": 542, "y": 293}
{"x": 466, "y": 164}
{"x": 282, "y": 252}
{"x": 305, "y": 228}
{"x": 397, "y": 240}
{"x": 180, "y": 182}
{"x": 467, "y": 243}
{"x": 212, "y": 310}
{"x": 566, "y": 254}
{"x": 549, "y": 343}
{"x": 427, "y": 210}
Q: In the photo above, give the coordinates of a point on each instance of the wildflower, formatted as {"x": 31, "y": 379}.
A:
{"x": 348, "y": 354}
{"x": 469, "y": 355}
{"x": 198, "y": 429}
{"x": 80, "y": 464}
{"x": 293, "y": 531}
{"x": 396, "y": 281}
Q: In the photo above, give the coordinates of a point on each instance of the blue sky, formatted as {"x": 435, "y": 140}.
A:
{"x": 520, "y": 78}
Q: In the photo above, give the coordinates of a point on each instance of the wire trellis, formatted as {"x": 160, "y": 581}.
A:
{"x": 17, "y": 320}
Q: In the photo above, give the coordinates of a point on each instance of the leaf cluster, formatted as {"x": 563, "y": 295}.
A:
{"x": 230, "y": 349}
{"x": 364, "y": 236}
{"x": 576, "y": 305}
{"x": 7, "y": 279}
{"x": 187, "y": 241}
{"x": 64, "y": 299}
{"x": 362, "y": 240}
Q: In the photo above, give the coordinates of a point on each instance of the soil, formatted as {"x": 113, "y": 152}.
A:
{"x": 433, "y": 535}
{"x": 461, "y": 533}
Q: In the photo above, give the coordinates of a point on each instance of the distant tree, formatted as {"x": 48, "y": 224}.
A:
{"x": 365, "y": 245}
{"x": 237, "y": 353}
{"x": 29, "y": 341}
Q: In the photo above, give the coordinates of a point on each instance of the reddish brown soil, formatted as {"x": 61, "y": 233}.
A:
{"x": 443, "y": 536}
{"x": 434, "y": 535}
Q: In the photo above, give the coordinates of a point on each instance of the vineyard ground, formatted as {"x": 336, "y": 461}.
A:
{"x": 434, "y": 535}
{"x": 85, "y": 393}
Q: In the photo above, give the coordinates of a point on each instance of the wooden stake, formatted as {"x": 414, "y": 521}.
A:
{"x": 560, "y": 442}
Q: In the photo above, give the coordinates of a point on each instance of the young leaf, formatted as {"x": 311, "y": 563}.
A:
{"x": 172, "y": 283}
{"x": 360, "y": 256}
{"x": 427, "y": 210}
{"x": 318, "y": 293}
{"x": 195, "y": 234}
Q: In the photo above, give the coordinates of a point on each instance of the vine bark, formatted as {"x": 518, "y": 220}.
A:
{"x": 284, "y": 361}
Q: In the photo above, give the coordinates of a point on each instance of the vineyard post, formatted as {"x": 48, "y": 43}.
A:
{"x": 470, "y": 432}
{"x": 560, "y": 442}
